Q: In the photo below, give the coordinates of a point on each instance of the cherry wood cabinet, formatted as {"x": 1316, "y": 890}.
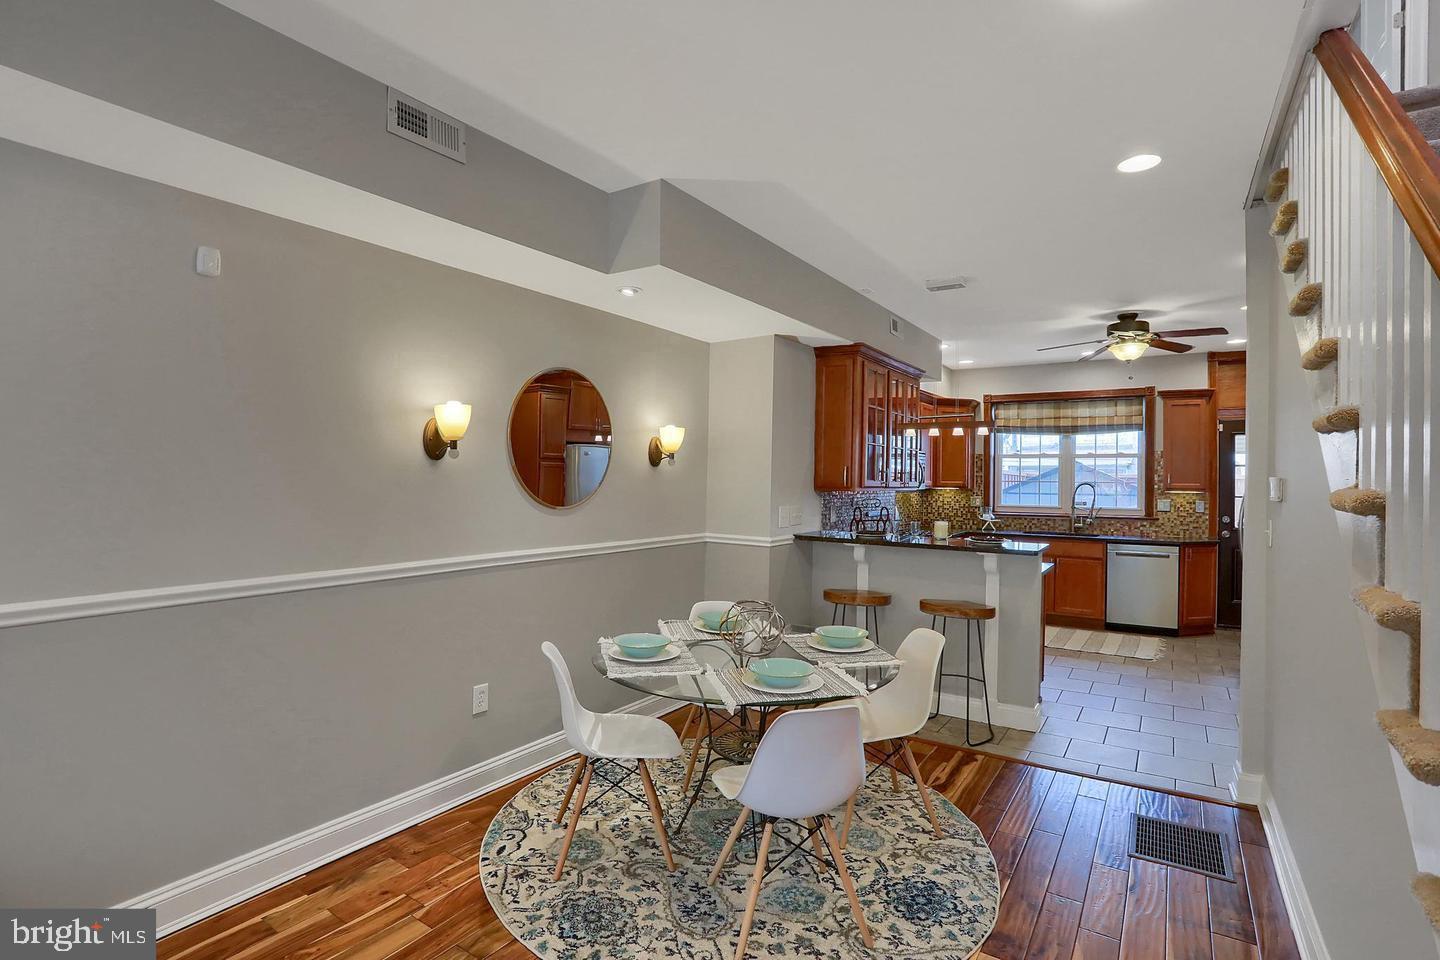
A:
{"x": 865, "y": 401}
{"x": 952, "y": 458}
{"x": 1074, "y": 592}
{"x": 929, "y": 406}
{"x": 1189, "y": 439}
{"x": 537, "y": 440}
{"x": 1227, "y": 379}
{"x": 1198, "y": 572}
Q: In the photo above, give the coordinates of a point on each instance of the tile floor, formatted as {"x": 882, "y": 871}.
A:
{"x": 1168, "y": 723}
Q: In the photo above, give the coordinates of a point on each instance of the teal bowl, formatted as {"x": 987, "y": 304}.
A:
{"x": 781, "y": 672}
{"x": 713, "y": 618}
{"x": 641, "y": 645}
{"x": 841, "y": 636}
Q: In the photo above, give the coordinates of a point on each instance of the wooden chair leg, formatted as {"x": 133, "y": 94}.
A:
{"x": 690, "y": 716}
{"x": 920, "y": 785}
{"x": 570, "y": 791}
{"x": 847, "y": 883}
{"x": 729, "y": 845}
{"x": 814, "y": 825}
{"x": 574, "y": 820}
{"x": 761, "y": 856}
{"x": 894, "y": 777}
{"x": 655, "y": 812}
{"x": 694, "y": 752}
{"x": 849, "y": 815}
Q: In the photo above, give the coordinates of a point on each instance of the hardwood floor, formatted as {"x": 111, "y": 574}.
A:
{"x": 1069, "y": 890}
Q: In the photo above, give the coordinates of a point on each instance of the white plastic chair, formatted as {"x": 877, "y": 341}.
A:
{"x": 697, "y": 711}
{"x": 807, "y": 763}
{"x": 608, "y": 737}
{"x": 898, "y": 711}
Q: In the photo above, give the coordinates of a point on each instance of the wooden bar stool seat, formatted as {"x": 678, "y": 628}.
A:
{"x": 974, "y": 614}
{"x": 870, "y": 601}
{"x": 858, "y": 598}
{"x": 957, "y": 609}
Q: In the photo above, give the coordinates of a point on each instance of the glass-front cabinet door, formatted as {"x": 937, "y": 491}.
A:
{"x": 874, "y": 424}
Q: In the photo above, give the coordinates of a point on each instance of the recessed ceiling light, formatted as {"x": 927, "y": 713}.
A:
{"x": 1137, "y": 163}
{"x": 964, "y": 361}
{"x": 629, "y": 291}
{"x": 1237, "y": 340}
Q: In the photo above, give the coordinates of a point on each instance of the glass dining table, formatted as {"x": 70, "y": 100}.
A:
{"x": 733, "y": 736}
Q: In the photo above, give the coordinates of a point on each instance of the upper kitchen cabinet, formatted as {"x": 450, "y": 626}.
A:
{"x": 952, "y": 457}
{"x": 864, "y": 400}
{"x": 1189, "y": 438}
{"x": 1227, "y": 379}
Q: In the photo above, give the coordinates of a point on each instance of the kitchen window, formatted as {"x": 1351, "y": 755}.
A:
{"x": 1043, "y": 445}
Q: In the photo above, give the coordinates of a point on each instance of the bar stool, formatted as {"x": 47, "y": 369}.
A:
{"x": 868, "y": 600}
{"x": 942, "y": 612}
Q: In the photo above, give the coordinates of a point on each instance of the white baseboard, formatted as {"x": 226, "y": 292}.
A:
{"x": 1006, "y": 714}
{"x": 1292, "y": 885}
{"x": 202, "y": 894}
{"x": 1247, "y": 787}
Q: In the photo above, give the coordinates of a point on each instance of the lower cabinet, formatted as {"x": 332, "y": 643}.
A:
{"x": 1075, "y": 596}
{"x": 1198, "y": 575}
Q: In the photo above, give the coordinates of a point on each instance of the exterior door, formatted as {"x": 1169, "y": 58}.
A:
{"x": 1230, "y": 506}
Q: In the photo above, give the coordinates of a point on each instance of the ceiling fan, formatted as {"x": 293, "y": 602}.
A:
{"x": 1129, "y": 337}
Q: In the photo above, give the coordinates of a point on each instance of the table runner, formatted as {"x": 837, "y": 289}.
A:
{"x": 835, "y": 683}
{"x": 681, "y": 666}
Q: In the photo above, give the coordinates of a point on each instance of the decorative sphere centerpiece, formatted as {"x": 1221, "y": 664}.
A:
{"x": 753, "y": 628}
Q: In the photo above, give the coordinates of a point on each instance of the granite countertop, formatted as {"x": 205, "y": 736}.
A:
{"x": 1100, "y": 537}
{"x": 924, "y": 542}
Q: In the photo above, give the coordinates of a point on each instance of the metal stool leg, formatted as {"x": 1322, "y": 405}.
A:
{"x": 834, "y": 611}
{"x": 940, "y": 674}
{"x": 984, "y": 687}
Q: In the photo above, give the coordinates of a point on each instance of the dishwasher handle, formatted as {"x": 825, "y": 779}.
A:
{"x": 1147, "y": 556}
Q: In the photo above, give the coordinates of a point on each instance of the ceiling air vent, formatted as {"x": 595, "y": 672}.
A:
{"x": 418, "y": 123}
{"x": 948, "y": 283}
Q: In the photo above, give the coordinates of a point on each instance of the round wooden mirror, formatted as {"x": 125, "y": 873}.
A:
{"x": 560, "y": 438}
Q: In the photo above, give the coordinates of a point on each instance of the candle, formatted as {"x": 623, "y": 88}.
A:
{"x": 942, "y": 530}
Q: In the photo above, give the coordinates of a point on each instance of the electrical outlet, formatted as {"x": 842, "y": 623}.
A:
{"x": 1163, "y": 505}
{"x": 479, "y": 699}
{"x": 1199, "y": 506}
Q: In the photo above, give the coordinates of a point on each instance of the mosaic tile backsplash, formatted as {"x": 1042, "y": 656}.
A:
{"x": 962, "y": 509}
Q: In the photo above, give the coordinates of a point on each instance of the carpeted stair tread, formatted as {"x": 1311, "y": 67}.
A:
{"x": 1294, "y": 257}
{"x": 1419, "y": 748}
{"x": 1338, "y": 420}
{"x": 1419, "y": 98}
{"x": 1284, "y": 218}
{"x": 1427, "y": 891}
{"x": 1394, "y": 612}
{"x": 1428, "y": 120}
{"x": 1306, "y": 299}
{"x": 1279, "y": 181}
{"x": 1361, "y": 501}
{"x": 1321, "y": 354}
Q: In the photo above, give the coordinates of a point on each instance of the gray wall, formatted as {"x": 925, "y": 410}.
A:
{"x": 1326, "y": 762}
{"x": 164, "y": 429}
{"x": 1161, "y": 372}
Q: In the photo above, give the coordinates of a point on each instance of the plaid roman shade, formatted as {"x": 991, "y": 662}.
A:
{"x": 1099, "y": 415}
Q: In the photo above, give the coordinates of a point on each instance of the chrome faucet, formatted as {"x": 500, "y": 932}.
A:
{"x": 1077, "y": 523}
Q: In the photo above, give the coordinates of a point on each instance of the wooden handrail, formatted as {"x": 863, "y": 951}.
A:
{"x": 1409, "y": 165}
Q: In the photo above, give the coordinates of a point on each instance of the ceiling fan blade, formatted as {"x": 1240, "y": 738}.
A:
{"x": 1093, "y": 353}
{"x": 1160, "y": 344}
{"x": 1062, "y": 346}
{"x": 1194, "y": 332}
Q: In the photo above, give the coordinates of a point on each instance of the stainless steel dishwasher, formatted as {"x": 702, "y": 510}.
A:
{"x": 1142, "y": 586}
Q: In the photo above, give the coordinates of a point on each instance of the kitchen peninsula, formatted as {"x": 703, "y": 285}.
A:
{"x": 1007, "y": 576}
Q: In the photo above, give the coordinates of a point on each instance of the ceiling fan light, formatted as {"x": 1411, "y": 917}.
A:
{"x": 1128, "y": 350}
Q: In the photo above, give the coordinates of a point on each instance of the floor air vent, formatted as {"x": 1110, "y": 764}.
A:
{"x": 1176, "y": 845}
{"x": 418, "y": 123}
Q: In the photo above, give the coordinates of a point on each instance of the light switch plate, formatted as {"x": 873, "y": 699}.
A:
{"x": 1163, "y": 505}
{"x": 207, "y": 261}
{"x": 1199, "y": 506}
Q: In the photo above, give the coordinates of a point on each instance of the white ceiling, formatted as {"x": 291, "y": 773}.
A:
{"x": 886, "y": 143}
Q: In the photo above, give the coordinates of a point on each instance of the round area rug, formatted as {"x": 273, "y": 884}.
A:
{"x": 922, "y": 897}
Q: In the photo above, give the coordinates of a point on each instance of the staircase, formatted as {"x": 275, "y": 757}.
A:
{"x": 1356, "y": 198}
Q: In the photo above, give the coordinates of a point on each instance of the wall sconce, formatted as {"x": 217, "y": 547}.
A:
{"x": 445, "y": 430}
{"x": 664, "y": 445}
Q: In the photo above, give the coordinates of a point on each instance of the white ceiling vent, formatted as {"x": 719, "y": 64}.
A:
{"x": 418, "y": 123}
{"x": 949, "y": 283}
